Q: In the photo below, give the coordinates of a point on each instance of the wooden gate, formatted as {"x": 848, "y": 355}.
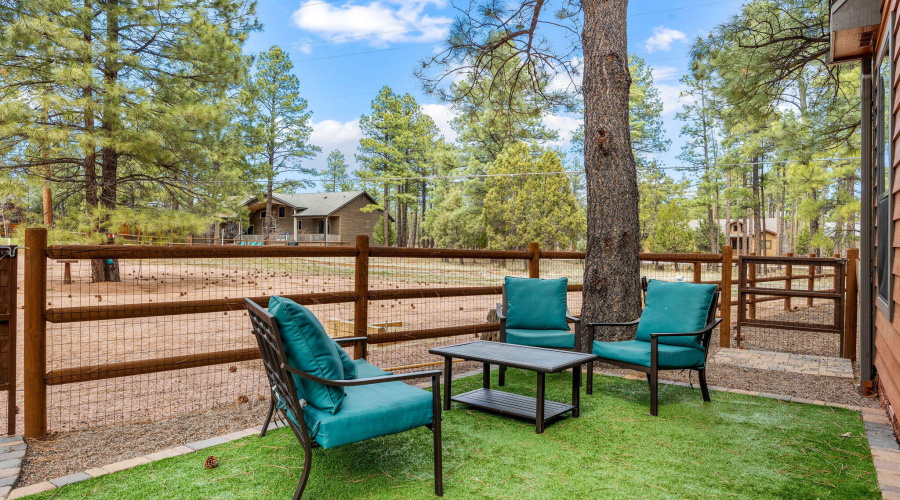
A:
{"x": 807, "y": 281}
{"x": 8, "y": 332}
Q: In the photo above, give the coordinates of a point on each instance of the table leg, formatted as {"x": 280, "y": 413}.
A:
{"x": 576, "y": 391}
{"x": 539, "y": 413}
{"x": 448, "y": 377}
{"x": 486, "y": 376}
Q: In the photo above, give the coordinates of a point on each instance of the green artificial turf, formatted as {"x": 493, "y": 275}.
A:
{"x": 735, "y": 447}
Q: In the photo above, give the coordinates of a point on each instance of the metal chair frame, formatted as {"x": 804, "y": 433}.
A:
{"x": 652, "y": 371}
{"x": 284, "y": 394}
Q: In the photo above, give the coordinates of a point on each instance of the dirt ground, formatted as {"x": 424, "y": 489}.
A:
{"x": 96, "y": 423}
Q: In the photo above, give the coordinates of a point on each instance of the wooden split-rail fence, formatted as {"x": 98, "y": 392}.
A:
{"x": 37, "y": 378}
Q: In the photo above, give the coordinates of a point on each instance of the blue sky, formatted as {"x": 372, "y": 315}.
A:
{"x": 344, "y": 51}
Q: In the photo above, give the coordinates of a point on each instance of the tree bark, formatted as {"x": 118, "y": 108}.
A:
{"x": 611, "y": 268}
{"x": 108, "y": 270}
{"x": 267, "y": 223}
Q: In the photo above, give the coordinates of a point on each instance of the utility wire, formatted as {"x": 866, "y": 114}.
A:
{"x": 525, "y": 174}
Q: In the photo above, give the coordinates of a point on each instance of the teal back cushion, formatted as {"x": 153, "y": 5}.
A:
{"x": 675, "y": 308}
{"x": 347, "y": 363}
{"x": 536, "y": 304}
{"x": 309, "y": 349}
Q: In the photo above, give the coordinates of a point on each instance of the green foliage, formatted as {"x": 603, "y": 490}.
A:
{"x": 276, "y": 123}
{"x": 399, "y": 140}
{"x": 378, "y": 234}
{"x": 530, "y": 208}
{"x": 702, "y": 242}
{"x": 671, "y": 233}
{"x": 802, "y": 245}
{"x": 335, "y": 174}
{"x": 137, "y": 92}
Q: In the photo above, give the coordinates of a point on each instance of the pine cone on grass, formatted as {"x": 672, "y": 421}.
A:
{"x": 211, "y": 462}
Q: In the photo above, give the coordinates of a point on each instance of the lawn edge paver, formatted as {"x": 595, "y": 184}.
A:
{"x": 887, "y": 465}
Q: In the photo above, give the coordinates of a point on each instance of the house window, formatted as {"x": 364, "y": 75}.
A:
{"x": 322, "y": 226}
{"x": 768, "y": 244}
{"x": 299, "y": 225}
{"x": 262, "y": 214}
{"x": 884, "y": 256}
{"x": 281, "y": 212}
{"x": 367, "y": 223}
{"x": 249, "y": 230}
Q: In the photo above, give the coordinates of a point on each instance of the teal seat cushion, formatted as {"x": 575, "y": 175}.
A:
{"x": 675, "y": 307}
{"x": 637, "y": 352}
{"x": 560, "y": 339}
{"x": 536, "y": 304}
{"x": 370, "y": 411}
{"x": 364, "y": 369}
{"x": 309, "y": 349}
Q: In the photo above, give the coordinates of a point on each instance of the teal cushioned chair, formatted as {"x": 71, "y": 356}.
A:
{"x": 375, "y": 403}
{"x": 534, "y": 313}
{"x": 673, "y": 333}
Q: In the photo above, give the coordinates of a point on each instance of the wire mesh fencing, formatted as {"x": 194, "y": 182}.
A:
{"x": 794, "y": 305}
{"x": 141, "y": 333}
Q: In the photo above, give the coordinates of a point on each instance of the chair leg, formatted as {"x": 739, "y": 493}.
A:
{"x": 304, "y": 477}
{"x": 502, "y": 377}
{"x": 703, "y": 388}
{"x": 590, "y": 378}
{"x": 265, "y": 426}
{"x": 653, "y": 376}
{"x": 436, "y": 434}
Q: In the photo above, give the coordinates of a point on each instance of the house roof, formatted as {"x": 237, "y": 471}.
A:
{"x": 315, "y": 204}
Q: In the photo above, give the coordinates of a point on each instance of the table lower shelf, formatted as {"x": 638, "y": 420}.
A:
{"x": 511, "y": 404}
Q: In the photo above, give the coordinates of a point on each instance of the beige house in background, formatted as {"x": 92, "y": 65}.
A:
{"x": 313, "y": 217}
{"x": 743, "y": 239}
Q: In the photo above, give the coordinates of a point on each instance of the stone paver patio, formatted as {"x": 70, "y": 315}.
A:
{"x": 785, "y": 362}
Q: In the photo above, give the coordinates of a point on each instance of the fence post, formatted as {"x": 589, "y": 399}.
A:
{"x": 751, "y": 283}
{"x": 698, "y": 271}
{"x": 725, "y": 304}
{"x": 811, "y": 282}
{"x": 361, "y": 287}
{"x": 35, "y": 354}
{"x": 850, "y": 303}
{"x": 8, "y": 312}
{"x": 788, "y": 273}
{"x": 534, "y": 265}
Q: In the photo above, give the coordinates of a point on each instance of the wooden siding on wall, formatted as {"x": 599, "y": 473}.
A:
{"x": 887, "y": 340}
{"x": 353, "y": 220}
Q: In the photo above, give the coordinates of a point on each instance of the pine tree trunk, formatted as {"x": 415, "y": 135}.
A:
{"x": 108, "y": 270}
{"x": 386, "y": 217}
{"x": 270, "y": 187}
{"x": 611, "y": 268}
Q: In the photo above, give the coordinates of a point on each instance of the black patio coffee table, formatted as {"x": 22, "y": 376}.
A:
{"x": 537, "y": 359}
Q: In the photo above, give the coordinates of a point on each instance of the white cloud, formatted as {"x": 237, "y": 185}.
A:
{"x": 379, "y": 22}
{"x": 670, "y": 95}
{"x": 333, "y": 134}
{"x": 441, "y": 114}
{"x": 565, "y": 125}
{"x": 663, "y": 38}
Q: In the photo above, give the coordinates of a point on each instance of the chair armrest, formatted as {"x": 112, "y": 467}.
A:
{"x": 350, "y": 340}
{"x": 500, "y": 312}
{"x": 363, "y": 381}
{"x": 572, "y": 319}
{"x": 629, "y": 323}
{"x": 705, "y": 329}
